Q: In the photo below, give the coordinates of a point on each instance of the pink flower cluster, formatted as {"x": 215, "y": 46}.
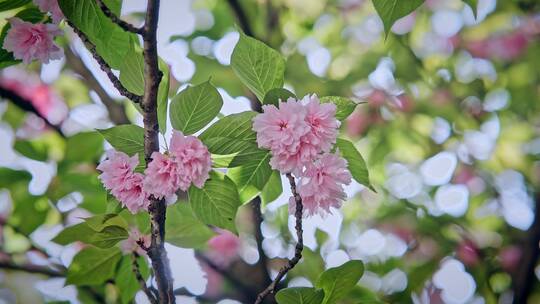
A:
{"x": 187, "y": 162}
{"x": 300, "y": 135}
{"x": 296, "y": 132}
{"x": 223, "y": 248}
{"x": 28, "y": 41}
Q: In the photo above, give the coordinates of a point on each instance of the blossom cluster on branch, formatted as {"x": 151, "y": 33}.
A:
{"x": 29, "y": 41}
{"x": 300, "y": 134}
{"x": 187, "y": 162}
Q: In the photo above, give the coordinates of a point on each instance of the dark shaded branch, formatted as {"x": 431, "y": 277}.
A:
{"x": 126, "y": 26}
{"x": 263, "y": 259}
{"x": 104, "y": 65}
{"x": 32, "y": 269}
{"x": 238, "y": 284}
{"x": 117, "y": 113}
{"x": 158, "y": 207}
{"x": 241, "y": 16}
{"x": 26, "y": 105}
{"x": 525, "y": 278}
{"x": 140, "y": 279}
{"x": 299, "y": 245}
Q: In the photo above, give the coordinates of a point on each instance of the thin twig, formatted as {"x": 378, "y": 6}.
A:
{"x": 140, "y": 279}
{"x": 299, "y": 245}
{"x": 30, "y": 268}
{"x": 158, "y": 207}
{"x": 116, "y": 110}
{"x": 241, "y": 16}
{"x": 104, "y": 65}
{"x": 27, "y": 106}
{"x": 126, "y": 26}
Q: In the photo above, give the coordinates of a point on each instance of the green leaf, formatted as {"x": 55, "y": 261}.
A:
{"x": 344, "y": 106}
{"x": 273, "y": 188}
{"x": 474, "y": 6}
{"x": 254, "y": 172}
{"x": 355, "y": 162}
{"x": 109, "y": 236}
{"x": 392, "y": 10}
{"x": 125, "y": 279}
{"x": 132, "y": 72}
{"x": 300, "y": 295}
{"x": 338, "y": 281}
{"x": 184, "y": 229}
{"x": 126, "y": 138}
{"x": 84, "y": 147}
{"x": 195, "y": 107}
{"x": 98, "y": 222}
{"x": 217, "y": 202}
{"x": 31, "y": 150}
{"x": 6, "y": 5}
{"x": 93, "y": 266}
{"x": 112, "y": 42}
{"x": 258, "y": 66}
{"x": 80, "y": 232}
{"x": 163, "y": 96}
{"x": 231, "y": 134}
{"x": 274, "y": 96}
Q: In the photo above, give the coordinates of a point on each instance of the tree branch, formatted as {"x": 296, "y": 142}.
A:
{"x": 524, "y": 278}
{"x": 299, "y": 245}
{"x": 241, "y": 16}
{"x": 140, "y": 279}
{"x": 158, "y": 207}
{"x": 126, "y": 26}
{"x": 104, "y": 65}
{"x": 32, "y": 269}
{"x": 26, "y": 105}
{"x": 241, "y": 286}
{"x": 263, "y": 259}
{"x": 117, "y": 114}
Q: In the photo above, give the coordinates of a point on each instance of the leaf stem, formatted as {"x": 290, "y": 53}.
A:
{"x": 126, "y": 26}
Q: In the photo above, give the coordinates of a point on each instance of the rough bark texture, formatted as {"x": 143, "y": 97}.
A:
{"x": 158, "y": 208}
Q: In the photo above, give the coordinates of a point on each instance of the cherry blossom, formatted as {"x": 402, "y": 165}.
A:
{"x": 192, "y": 159}
{"x": 162, "y": 176}
{"x": 119, "y": 177}
{"x": 30, "y": 41}
{"x": 52, "y": 7}
{"x": 223, "y": 248}
{"x": 321, "y": 185}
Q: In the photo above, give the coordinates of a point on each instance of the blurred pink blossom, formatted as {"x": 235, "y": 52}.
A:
{"x": 42, "y": 96}
{"x": 30, "y": 41}
{"x": 467, "y": 252}
{"x": 504, "y": 47}
{"x": 321, "y": 185}
{"x": 50, "y": 6}
{"x": 510, "y": 257}
{"x": 192, "y": 159}
{"x": 223, "y": 248}
{"x": 119, "y": 177}
{"x": 130, "y": 244}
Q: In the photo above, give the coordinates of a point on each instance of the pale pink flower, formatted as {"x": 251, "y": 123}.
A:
{"x": 52, "y": 7}
{"x": 192, "y": 159}
{"x": 162, "y": 176}
{"x": 119, "y": 177}
{"x": 297, "y": 132}
{"x": 130, "y": 245}
{"x": 30, "y": 41}
{"x": 323, "y": 124}
{"x": 223, "y": 248}
{"x": 321, "y": 185}
{"x": 281, "y": 130}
